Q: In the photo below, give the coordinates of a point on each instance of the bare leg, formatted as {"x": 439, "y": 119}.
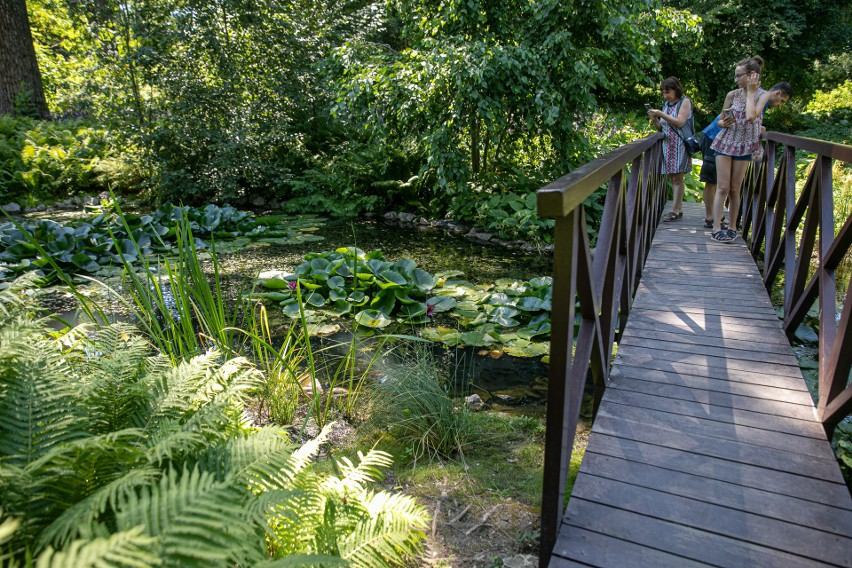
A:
{"x": 738, "y": 171}
{"x": 723, "y": 188}
{"x": 677, "y": 191}
{"x": 709, "y": 196}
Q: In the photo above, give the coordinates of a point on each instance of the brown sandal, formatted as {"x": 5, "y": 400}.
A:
{"x": 672, "y": 216}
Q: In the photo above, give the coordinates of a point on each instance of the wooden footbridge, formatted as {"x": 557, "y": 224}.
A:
{"x": 707, "y": 448}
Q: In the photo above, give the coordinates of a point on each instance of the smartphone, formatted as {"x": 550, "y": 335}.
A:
{"x": 727, "y": 113}
{"x": 647, "y": 107}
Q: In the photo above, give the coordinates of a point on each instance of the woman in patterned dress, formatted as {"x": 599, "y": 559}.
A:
{"x": 735, "y": 144}
{"x": 675, "y": 117}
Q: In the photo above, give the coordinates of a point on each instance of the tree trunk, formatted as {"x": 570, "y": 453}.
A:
{"x": 20, "y": 80}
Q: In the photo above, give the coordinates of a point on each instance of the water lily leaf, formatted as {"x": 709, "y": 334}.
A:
{"x": 498, "y": 299}
{"x": 442, "y": 303}
{"x": 337, "y": 294}
{"x": 384, "y": 301}
{"x": 504, "y": 316}
{"x": 291, "y": 310}
{"x": 321, "y": 329}
{"x": 339, "y": 308}
{"x": 541, "y": 282}
{"x": 336, "y": 282}
{"x": 393, "y": 277}
{"x": 276, "y": 284}
{"x": 479, "y": 337}
{"x": 423, "y": 280}
{"x": 274, "y": 296}
{"x": 373, "y": 318}
{"x": 413, "y": 310}
{"x": 532, "y": 304}
{"x": 531, "y": 331}
{"x": 523, "y": 348}
{"x": 314, "y": 299}
{"x": 441, "y": 334}
{"x": 358, "y": 297}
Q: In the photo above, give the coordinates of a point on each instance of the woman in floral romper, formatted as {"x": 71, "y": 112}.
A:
{"x": 735, "y": 144}
{"x": 676, "y": 115}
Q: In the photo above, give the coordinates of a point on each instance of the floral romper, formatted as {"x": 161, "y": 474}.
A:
{"x": 743, "y": 137}
{"x": 675, "y": 158}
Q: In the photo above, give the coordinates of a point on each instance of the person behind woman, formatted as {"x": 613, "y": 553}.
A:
{"x": 676, "y": 122}
{"x": 738, "y": 140}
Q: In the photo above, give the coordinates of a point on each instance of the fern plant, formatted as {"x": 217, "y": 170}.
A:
{"x": 111, "y": 456}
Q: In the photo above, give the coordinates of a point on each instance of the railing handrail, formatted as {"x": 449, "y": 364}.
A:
{"x": 773, "y": 216}
{"x": 604, "y": 284}
{"x": 560, "y": 197}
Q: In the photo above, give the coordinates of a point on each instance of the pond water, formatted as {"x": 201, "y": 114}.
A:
{"x": 503, "y": 381}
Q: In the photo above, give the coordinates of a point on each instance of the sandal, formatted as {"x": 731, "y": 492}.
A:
{"x": 708, "y": 223}
{"x": 672, "y": 216}
{"x": 723, "y": 236}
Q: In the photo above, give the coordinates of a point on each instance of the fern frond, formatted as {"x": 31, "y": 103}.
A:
{"x": 367, "y": 469}
{"x": 197, "y": 518}
{"x": 39, "y": 403}
{"x": 390, "y": 535}
{"x": 76, "y": 521}
{"x": 304, "y": 455}
{"x": 129, "y": 548}
{"x": 306, "y": 561}
{"x": 7, "y": 527}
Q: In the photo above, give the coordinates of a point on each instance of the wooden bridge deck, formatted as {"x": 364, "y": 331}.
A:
{"x": 705, "y": 449}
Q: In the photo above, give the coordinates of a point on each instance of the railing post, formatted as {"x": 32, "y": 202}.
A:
{"x": 559, "y": 437}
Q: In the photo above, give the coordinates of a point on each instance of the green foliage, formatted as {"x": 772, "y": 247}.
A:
{"x": 413, "y": 401}
{"x": 790, "y": 35}
{"x": 114, "y": 239}
{"x": 486, "y": 88}
{"x": 42, "y": 160}
{"x": 512, "y": 315}
{"x": 114, "y": 457}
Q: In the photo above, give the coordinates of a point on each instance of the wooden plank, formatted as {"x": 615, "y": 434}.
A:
{"x": 734, "y": 496}
{"x": 747, "y": 475}
{"x": 723, "y": 413}
{"x": 641, "y": 355}
{"x": 587, "y": 548}
{"x": 739, "y": 433}
{"x": 748, "y": 527}
{"x": 730, "y": 353}
{"x": 732, "y": 450}
{"x": 701, "y": 321}
{"x": 688, "y": 373}
{"x": 730, "y": 340}
{"x": 661, "y": 306}
{"x": 767, "y": 400}
{"x": 689, "y": 542}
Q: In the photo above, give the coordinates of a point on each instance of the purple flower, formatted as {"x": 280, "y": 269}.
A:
{"x": 430, "y": 310}
{"x": 292, "y": 284}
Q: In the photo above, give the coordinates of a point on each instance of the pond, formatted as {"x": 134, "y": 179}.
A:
{"x": 501, "y": 380}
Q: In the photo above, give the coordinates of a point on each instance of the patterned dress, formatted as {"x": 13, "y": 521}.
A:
{"x": 675, "y": 158}
{"x": 743, "y": 137}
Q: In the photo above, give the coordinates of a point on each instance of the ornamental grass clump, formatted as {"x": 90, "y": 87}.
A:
{"x": 414, "y": 402}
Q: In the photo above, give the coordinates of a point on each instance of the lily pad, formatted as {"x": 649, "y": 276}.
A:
{"x": 373, "y": 318}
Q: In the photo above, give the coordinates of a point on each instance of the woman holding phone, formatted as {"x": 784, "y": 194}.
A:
{"x": 741, "y": 122}
{"x": 675, "y": 117}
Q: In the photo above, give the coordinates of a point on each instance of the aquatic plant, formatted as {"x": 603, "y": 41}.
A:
{"x": 109, "y": 239}
{"x": 376, "y": 293}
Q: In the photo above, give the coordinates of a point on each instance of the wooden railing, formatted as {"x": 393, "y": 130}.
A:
{"x": 796, "y": 236}
{"x": 598, "y": 287}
